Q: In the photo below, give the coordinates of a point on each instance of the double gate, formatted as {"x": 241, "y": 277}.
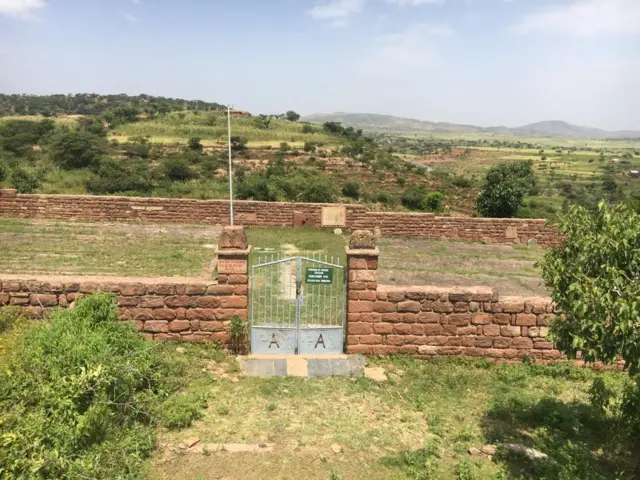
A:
{"x": 297, "y": 305}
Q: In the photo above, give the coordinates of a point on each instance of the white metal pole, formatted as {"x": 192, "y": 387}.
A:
{"x": 230, "y": 173}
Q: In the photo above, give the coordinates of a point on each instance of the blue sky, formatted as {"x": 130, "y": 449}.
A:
{"x": 484, "y": 62}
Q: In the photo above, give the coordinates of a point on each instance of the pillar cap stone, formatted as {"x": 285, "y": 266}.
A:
{"x": 233, "y": 237}
{"x": 363, "y": 252}
{"x": 362, "y": 240}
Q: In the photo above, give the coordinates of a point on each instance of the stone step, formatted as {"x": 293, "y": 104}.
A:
{"x": 303, "y": 365}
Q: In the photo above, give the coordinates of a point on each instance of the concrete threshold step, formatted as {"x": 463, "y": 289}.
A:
{"x": 303, "y": 365}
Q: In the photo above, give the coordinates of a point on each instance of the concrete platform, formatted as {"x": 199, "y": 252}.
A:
{"x": 302, "y": 365}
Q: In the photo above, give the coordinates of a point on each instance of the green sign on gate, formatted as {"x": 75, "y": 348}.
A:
{"x": 319, "y": 275}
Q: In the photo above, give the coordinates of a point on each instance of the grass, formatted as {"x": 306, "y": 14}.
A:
{"x": 417, "y": 426}
{"x": 213, "y": 125}
{"x": 64, "y": 247}
{"x": 509, "y": 269}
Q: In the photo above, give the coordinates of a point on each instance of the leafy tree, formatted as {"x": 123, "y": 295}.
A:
{"x": 177, "y": 169}
{"x": 263, "y": 121}
{"x": 351, "y": 189}
{"x": 194, "y": 144}
{"x": 292, "y": 116}
{"x": 116, "y": 176}
{"x": 505, "y": 186}
{"x": 307, "y": 128}
{"x": 594, "y": 278}
{"x": 4, "y": 169}
{"x": 72, "y": 150}
{"x": 92, "y": 125}
{"x": 24, "y": 181}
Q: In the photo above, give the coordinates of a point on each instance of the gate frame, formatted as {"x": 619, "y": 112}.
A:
{"x": 292, "y": 335}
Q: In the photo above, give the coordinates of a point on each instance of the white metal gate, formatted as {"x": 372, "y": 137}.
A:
{"x": 297, "y": 305}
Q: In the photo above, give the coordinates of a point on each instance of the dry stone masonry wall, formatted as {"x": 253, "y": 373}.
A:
{"x": 430, "y": 321}
{"x": 272, "y": 214}
{"x": 195, "y": 311}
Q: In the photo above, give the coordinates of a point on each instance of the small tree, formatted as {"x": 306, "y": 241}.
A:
{"x": 194, "y": 144}
{"x": 24, "y": 181}
{"x": 77, "y": 149}
{"x": 433, "y": 202}
{"x": 351, "y": 189}
{"x": 594, "y": 278}
{"x": 504, "y": 188}
{"x": 306, "y": 128}
{"x": 177, "y": 170}
{"x": 238, "y": 143}
{"x": 292, "y": 116}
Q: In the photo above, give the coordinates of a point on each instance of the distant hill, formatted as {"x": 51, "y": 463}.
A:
{"x": 555, "y": 128}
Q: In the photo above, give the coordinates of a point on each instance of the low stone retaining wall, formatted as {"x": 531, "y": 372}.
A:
{"x": 162, "y": 309}
{"x": 276, "y": 214}
{"x": 428, "y": 321}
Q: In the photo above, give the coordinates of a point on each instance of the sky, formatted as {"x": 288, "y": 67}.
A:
{"x": 480, "y": 62}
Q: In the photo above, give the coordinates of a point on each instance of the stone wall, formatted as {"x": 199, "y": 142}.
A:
{"x": 428, "y": 321}
{"x": 271, "y": 214}
{"x": 160, "y": 308}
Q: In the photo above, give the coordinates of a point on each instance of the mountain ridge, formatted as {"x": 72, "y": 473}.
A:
{"x": 548, "y": 128}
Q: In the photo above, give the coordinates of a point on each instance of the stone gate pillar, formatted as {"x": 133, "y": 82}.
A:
{"x": 362, "y": 285}
{"x": 233, "y": 269}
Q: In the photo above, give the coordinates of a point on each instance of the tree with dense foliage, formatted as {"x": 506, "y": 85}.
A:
{"x": 505, "y": 186}
{"x": 177, "y": 169}
{"x": 115, "y": 176}
{"x": 351, "y": 189}
{"x": 195, "y": 144}
{"x": 81, "y": 149}
{"x": 594, "y": 279}
{"x": 23, "y": 180}
{"x": 292, "y": 116}
{"x": 238, "y": 143}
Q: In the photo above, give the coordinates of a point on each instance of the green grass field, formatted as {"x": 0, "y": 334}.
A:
{"x": 419, "y": 425}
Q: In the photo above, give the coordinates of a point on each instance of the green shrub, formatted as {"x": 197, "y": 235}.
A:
{"x": 180, "y": 411}
{"x": 276, "y": 184}
{"x": 306, "y": 128}
{"x": 505, "y": 186}
{"x": 79, "y": 149}
{"x": 284, "y": 147}
{"x": 4, "y": 170}
{"x": 433, "y": 202}
{"x": 177, "y": 169}
{"x": 351, "y": 189}
{"x": 23, "y": 180}
{"x": 309, "y": 147}
{"x": 194, "y": 144}
{"x": 80, "y": 397}
{"x": 116, "y": 176}
{"x": 11, "y": 316}
{"x": 238, "y": 143}
{"x": 413, "y": 196}
{"x": 462, "y": 182}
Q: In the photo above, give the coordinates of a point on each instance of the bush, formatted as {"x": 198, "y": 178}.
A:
{"x": 433, "y": 202}
{"x": 306, "y": 128}
{"x": 351, "y": 189}
{"x": 77, "y": 149}
{"x": 4, "y": 170}
{"x": 504, "y": 188}
{"x": 10, "y": 317}
{"x": 277, "y": 185}
{"x": 24, "y": 181}
{"x": 75, "y": 397}
{"x": 119, "y": 177}
{"x": 309, "y": 147}
{"x": 194, "y": 144}
{"x": 81, "y": 397}
{"x": 462, "y": 182}
{"x": 238, "y": 144}
{"x": 413, "y": 196}
{"x": 177, "y": 169}
{"x": 284, "y": 147}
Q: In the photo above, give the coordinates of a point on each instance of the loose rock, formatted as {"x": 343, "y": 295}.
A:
{"x": 375, "y": 373}
{"x": 530, "y": 453}
{"x": 335, "y": 448}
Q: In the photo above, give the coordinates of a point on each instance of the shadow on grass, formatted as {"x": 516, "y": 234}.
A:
{"x": 580, "y": 442}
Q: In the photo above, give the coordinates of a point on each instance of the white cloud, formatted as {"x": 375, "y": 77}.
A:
{"x": 20, "y": 8}
{"x": 337, "y": 12}
{"x": 415, "y": 2}
{"x": 412, "y": 50}
{"x": 129, "y": 17}
{"x": 584, "y": 18}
